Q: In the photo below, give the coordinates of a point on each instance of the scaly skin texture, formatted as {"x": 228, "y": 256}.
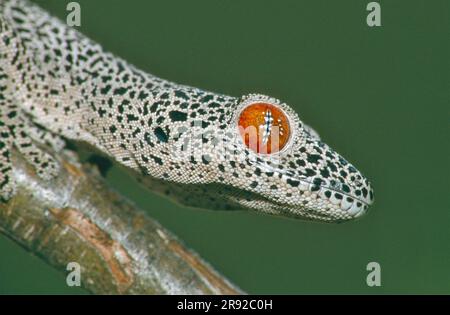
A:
{"x": 180, "y": 141}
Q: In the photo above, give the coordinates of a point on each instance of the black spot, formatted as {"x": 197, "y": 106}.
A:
{"x": 104, "y": 78}
{"x": 120, "y": 91}
{"x": 177, "y": 116}
{"x": 142, "y": 95}
{"x": 351, "y": 169}
{"x": 293, "y": 183}
{"x": 301, "y": 163}
{"x": 317, "y": 181}
{"x": 324, "y": 172}
{"x": 328, "y": 194}
{"x": 342, "y": 161}
{"x": 338, "y": 196}
{"x": 315, "y": 188}
{"x": 156, "y": 159}
{"x": 181, "y": 94}
{"x": 154, "y": 107}
{"x": 345, "y": 188}
{"x": 313, "y": 158}
{"x": 12, "y": 114}
{"x": 318, "y": 150}
{"x": 309, "y": 172}
{"x": 206, "y": 99}
{"x": 332, "y": 166}
{"x": 254, "y": 184}
{"x": 213, "y": 105}
{"x": 105, "y": 90}
{"x": 161, "y": 135}
{"x": 147, "y": 138}
{"x": 364, "y": 192}
{"x": 131, "y": 117}
{"x": 57, "y": 52}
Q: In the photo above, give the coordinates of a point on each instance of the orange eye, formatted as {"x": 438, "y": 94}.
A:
{"x": 264, "y": 128}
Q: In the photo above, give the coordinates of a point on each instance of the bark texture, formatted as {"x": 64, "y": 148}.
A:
{"x": 121, "y": 250}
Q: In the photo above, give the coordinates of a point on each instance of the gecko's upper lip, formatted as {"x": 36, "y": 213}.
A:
{"x": 364, "y": 200}
{"x": 354, "y": 205}
{"x": 365, "y": 196}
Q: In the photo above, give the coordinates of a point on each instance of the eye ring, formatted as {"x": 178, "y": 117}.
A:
{"x": 264, "y": 125}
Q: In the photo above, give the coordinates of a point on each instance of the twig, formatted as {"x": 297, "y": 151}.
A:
{"x": 78, "y": 218}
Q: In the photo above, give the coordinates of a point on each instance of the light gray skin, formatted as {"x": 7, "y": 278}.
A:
{"x": 181, "y": 141}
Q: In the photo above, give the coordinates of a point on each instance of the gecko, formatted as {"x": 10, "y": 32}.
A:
{"x": 199, "y": 148}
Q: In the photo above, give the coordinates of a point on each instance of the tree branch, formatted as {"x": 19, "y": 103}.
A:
{"x": 78, "y": 218}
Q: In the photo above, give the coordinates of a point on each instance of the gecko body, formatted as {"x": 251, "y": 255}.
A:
{"x": 181, "y": 141}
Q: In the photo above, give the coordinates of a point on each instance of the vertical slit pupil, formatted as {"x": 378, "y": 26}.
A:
{"x": 264, "y": 127}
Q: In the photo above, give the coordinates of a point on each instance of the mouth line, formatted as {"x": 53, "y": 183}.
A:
{"x": 346, "y": 195}
{"x": 302, "y": 180}
{"x": 308, "y": 182}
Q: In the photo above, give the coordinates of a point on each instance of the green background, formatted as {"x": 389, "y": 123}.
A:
{"x": 379, "y": 96}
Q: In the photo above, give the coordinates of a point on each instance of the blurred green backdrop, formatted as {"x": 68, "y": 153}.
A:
{"x": 379, "y": 96}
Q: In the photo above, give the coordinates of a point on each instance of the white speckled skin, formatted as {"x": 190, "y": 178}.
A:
{"x": 181, "y": 141}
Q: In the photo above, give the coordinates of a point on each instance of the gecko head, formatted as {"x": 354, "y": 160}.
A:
{"x": 282, "y": 167}
{"x": 249, "y": 153}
